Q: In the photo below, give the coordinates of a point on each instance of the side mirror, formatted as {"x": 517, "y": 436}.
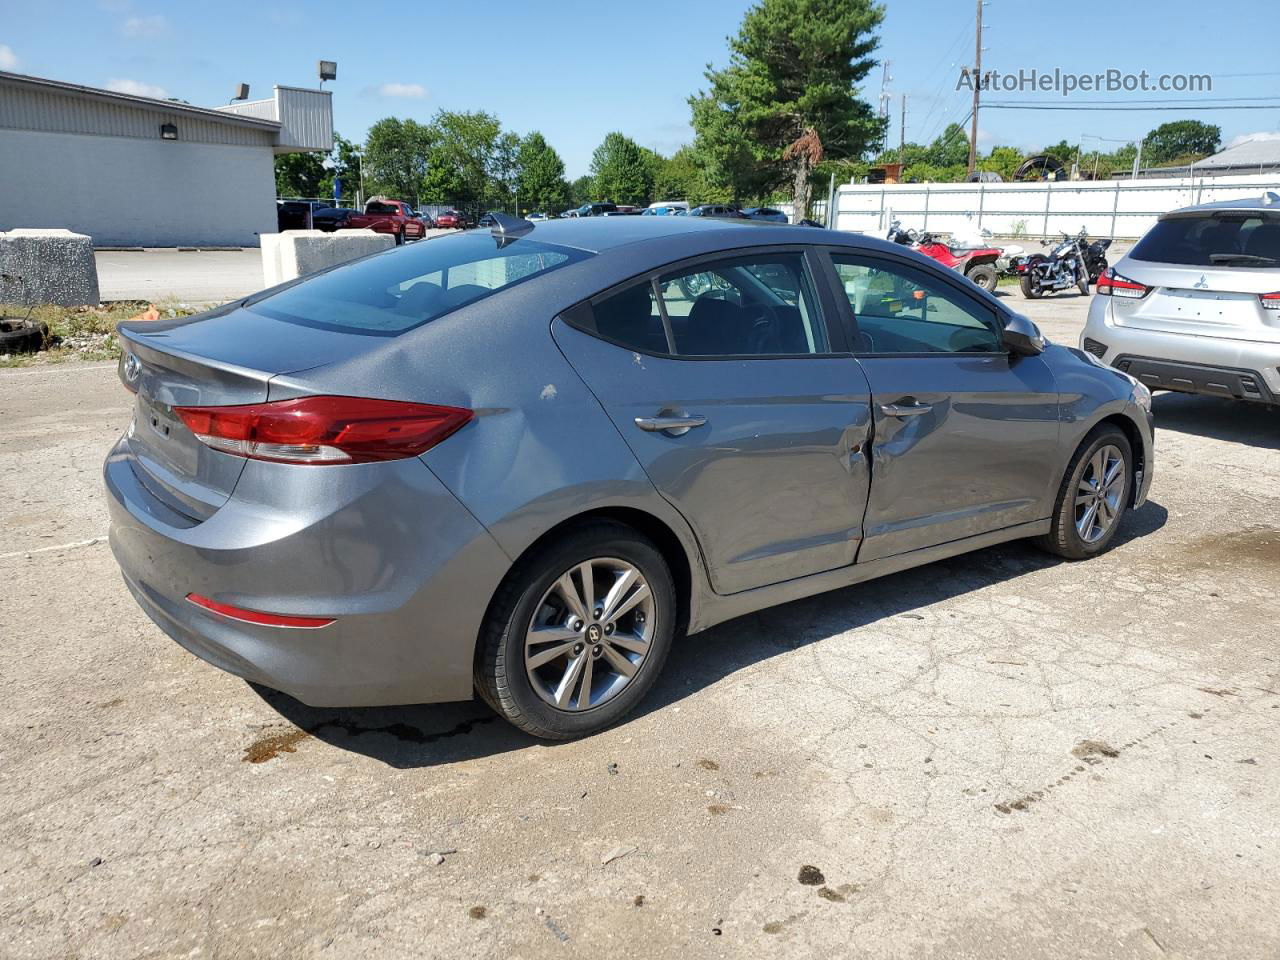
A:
{"x": 1023, "y": 337}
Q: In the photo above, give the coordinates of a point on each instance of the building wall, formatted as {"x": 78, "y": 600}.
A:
{"x": 1105, "y": 208}
{"x": 124, "y": 191}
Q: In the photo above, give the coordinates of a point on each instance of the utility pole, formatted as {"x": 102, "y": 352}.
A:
{"x": 902, "y": 132}
{"x": 885, "y": 97}
{"x": 977, "y": 91}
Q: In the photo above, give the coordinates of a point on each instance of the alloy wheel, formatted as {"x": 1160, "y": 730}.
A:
{"x": 590, "y": 634}
{"x": 1099, "y": 493}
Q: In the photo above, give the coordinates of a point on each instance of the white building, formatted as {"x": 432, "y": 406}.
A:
{"x": 135, "y": 171}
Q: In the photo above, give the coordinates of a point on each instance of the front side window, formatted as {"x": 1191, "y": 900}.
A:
{"x": 750, "y": 306}
{"x": 386, "y": 295}
{"x": 900, "y": 310}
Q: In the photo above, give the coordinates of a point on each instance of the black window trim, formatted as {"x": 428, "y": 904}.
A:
{"x": 581, "y": 315}
{"x": 873, "y": 257}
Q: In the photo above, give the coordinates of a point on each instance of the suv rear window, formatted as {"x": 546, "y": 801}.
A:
{"x": 381, "y": 208}
{"x": 387, "y": 294}
{"x": 1230, "y": 239}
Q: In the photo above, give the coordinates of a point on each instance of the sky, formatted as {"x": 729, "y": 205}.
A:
{"x": 578, "y": 70}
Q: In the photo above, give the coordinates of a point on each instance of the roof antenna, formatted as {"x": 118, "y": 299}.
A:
{"x": 508, "y": 229}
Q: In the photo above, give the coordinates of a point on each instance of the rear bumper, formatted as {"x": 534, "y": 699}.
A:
{"x": 388, "y": 552}
{"x": 1197, "y": 378}
{"x": 1213, "y": 366}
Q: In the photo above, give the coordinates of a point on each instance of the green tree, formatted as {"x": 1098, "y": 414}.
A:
{"x": 468, "y": 159}
{"x": 582, "y": 190}
{"x": 396, "y": 157}
{"x": 344, "y": 164}
{"x": 789, "y": 96}
{"x": 1181, "y": 140}
{"x": 1002, "y": 160}
{"x": 540, "y": 179}
{"x": 299, "y": 174}
{"x": 951, "y": 148}
{"x": 622, "y": 172}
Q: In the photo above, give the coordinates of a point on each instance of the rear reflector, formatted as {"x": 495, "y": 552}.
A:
{"x": 257, "y": 616}
{"x": 1112, "y": 284}
{"x": 1270, "y": 300}
{"x": 324, "y": 430}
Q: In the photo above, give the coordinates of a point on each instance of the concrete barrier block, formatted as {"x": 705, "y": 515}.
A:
{"x": 47, "y": 266}
{"x": 297, "y": 253}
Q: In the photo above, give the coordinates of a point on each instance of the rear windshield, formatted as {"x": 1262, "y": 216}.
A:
{"x": 1237, "y": 239}
{"x": 386, "y": 295}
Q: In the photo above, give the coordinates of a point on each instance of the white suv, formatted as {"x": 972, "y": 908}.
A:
{"x": 1195, "y": 305}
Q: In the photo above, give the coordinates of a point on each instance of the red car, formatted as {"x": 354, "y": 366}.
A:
{"x": 383, "y": 215}
{"x": 452, "y": 219}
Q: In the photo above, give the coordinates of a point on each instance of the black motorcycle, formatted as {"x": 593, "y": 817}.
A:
{"x": 1095, "y": 258}
{"x": 1064, "y": 266}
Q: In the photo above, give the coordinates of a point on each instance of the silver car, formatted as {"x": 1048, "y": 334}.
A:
{"x": 524, "y": 461}
{"x": 1195, "y": 305}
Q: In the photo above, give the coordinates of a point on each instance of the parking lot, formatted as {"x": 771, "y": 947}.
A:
{"x": 998, "y": 755}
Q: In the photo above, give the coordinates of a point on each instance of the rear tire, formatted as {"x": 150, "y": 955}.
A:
{"x": 1076, "y": 533}
{"x": 985, "y": 276}
{"x": 399, "y": 238}
{"x": 616, "y": 659}
{"x": 1029, "y": 288}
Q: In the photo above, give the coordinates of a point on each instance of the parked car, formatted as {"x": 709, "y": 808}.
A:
{"x": 486, "y": 220}
{"x": 451, "y": 219}
{"x": 427, "y": 219}
{"x": 717, "y": 210}
{"x": 330, "y": 219}
{"x": 297, "y": 214}
{"x": 384, "y": 215}
{"x": 765, "y": 213}
{"x": 537, "y": 217}
{"x": 396, "y": 482}
{"x": 592, "y": 210}
{"x": 1195, "y": 305}
{"x": 666, "y": 208}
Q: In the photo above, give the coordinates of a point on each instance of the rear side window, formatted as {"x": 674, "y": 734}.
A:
{"x": 749, "y": 306}
{"x": 1244, "y": 239}
{"x": 386, "y": 295}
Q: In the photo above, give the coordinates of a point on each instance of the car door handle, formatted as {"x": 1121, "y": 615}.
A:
{"x": 675, "y": 426}
{"x": 904, "y": 409}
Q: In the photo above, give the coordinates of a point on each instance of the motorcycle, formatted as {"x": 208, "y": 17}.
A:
{"x": 1095, "y": 258}
{"x": 1064, "y": 266}
{"x": 1010, "y": 253}
{"x": 976, "y": 263}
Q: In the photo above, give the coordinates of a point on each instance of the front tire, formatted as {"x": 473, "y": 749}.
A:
{"x": 1093, "y": 497}
{"x": 400, "y": 238}
{"x": 1030, "y": 289}
{"x": 985, "y": 276}
{"x": 1082, "y": 282}
{"x": 578, "y": 632}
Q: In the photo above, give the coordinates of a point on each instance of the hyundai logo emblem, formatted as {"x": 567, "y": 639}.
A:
{"x": 1202, "y": 283}
{"x": 132, "y": 367}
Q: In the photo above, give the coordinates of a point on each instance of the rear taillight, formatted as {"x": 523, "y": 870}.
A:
{"x": 324, "y": 430}
{"x": 1111, "y": 284}
{"x": 1270, "y": 300}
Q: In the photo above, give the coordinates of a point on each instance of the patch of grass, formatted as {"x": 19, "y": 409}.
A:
{"x": 86, "y": 333}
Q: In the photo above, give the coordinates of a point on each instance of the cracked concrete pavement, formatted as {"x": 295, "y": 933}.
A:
{"x": 1001, "y": 755}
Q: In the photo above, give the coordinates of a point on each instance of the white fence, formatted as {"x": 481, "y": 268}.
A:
{"x": 1105, "y": 208}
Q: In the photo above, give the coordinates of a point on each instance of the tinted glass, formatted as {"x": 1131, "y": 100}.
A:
{"x": 396, "y": 291}
{"x": 381, "y": 208}
{"x": 901, "y": 310}
{"x": 632, "y": 318}
{"x": 1221, "y": 240}
{"x": 744, "y": 307}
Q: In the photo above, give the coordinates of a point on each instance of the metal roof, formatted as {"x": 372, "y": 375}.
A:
{"x": 131, "y": 100}
{"x": 1251, "y": 153}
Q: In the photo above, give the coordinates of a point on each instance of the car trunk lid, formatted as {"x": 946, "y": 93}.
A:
{"x": 220, "y": 359}
{"x": 1221, "y": 302}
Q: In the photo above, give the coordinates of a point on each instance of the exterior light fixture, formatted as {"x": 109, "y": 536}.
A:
{"x": 168, "y": 131}
{"x": 328, "y": 70}
{"x": 242, "y": 93}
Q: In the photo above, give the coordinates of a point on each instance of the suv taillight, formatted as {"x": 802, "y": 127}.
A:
{"x": 1270, "y": 300}
{"x": 324, "y": 430}
{"x": 1111, "y": 284}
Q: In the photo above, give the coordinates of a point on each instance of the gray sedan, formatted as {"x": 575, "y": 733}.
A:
{"x": 522, "y": 462}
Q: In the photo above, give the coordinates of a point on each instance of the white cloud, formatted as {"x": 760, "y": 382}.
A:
{"x": 1235, "y": 141}
{"x": 414, "y": 91}
{"x": 137, "y": 88}
{"x": 151, "y": 26}
{"x": 8, "y": 59}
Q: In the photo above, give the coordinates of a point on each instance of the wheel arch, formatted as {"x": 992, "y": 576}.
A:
{"x": 1136, "y": 445}
{"x": 656, "y": 529}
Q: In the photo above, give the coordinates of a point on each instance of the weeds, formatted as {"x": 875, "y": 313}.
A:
{"x": 85, "y": 333}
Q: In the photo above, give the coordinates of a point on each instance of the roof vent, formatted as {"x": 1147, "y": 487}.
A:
{"x": 507, "y": 229}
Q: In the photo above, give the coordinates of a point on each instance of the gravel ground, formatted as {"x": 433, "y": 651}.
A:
{"x": 1001, "y": 755}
